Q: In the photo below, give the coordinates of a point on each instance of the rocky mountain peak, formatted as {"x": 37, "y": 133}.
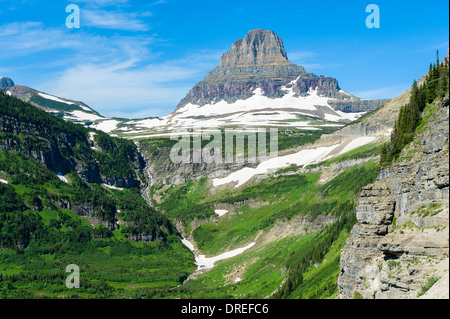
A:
{"x": 259, "y": 47}
{"x": 5, "y": 82}
{"x": 259, "y": 60}
{"x": 259, "y": 63}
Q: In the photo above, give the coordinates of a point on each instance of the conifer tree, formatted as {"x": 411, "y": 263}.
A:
{"x": 443, "y": 79}
{"x": 435, "y": 87}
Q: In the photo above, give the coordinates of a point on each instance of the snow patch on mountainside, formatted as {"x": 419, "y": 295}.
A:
{"x": 260, "y": 110}
{"x": 62, "y": 178}
{"x": 113, "y": 187}
{"x": 85, "y": 108}
{"x": 150, "y": 123}
{"x": 303, "y": 157}
{"x": 54, "y": 98}
{"x": 357, "y": 142}
{"x": 106, "y": 126}
{"x": 257, "y": 102}
{"x": 343, "y": 116}
{"x": 91, "y": 136}
{"x": 221, "y": 212}
{"x": 81, "y": 116}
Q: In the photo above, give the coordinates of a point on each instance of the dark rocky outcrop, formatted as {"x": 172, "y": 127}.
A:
{"x": 358, "y": 105}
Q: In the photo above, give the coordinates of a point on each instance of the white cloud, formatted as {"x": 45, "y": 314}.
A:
{"x": 158, "y": 2}
{"x": 116, "y": 75}
{"x": 304, "y": 57}
{"x": 129, "y": 88}
{"x": 103, "y": 2}
{"x": 28, "y": 38}
{"x": 383, "y": 93}
{"x": 300, "y": 56}
{"x": 22, "y": 38}
{"x": 114, "y": 20}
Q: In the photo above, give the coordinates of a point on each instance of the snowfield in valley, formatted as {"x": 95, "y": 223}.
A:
{"x": 204, "y": 262}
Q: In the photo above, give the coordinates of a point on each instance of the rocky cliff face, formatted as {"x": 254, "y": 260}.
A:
{"x": 356, "y": 106}
{"x": 166, "y": 172}
{"x": 401, "y": 241}
{"x": 258, "y": 61}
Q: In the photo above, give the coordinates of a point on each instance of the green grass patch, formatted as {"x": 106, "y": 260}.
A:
{"x": 428, "y": 284}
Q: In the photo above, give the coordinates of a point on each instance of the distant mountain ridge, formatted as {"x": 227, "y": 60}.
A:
{"x": 75, "y": 111}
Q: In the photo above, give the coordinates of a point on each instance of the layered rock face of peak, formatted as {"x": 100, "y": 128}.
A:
{"x": 257, "y": 61}
{"x": 259, "y": 47}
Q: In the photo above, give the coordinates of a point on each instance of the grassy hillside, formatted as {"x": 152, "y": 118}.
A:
{"x": 259, "y": 206}
{"x": 272, "y": 267}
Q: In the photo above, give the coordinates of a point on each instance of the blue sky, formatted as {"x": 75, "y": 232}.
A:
{"x": 136, "y": 59}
